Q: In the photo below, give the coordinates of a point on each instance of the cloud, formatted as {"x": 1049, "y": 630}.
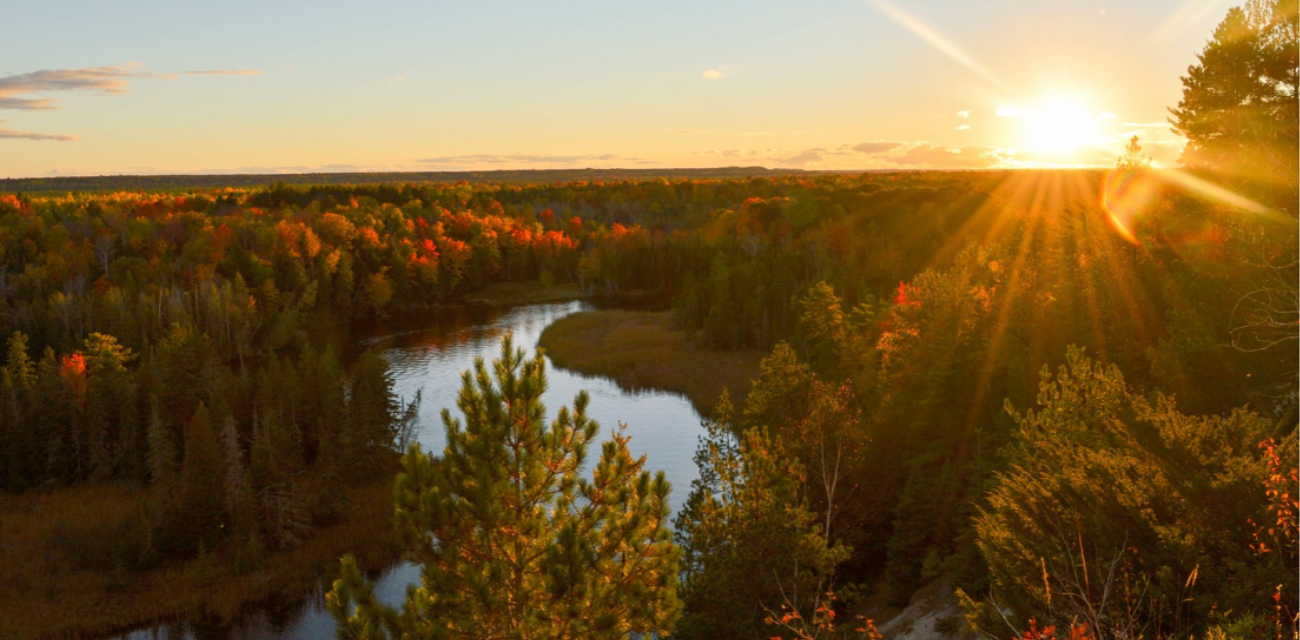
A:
{"x": 24, "y": 135}
{"x": 1008, "y": 111}
{"x": 784, "y": 157}
{"x": 964, "y": 113}
{"x": 924, "y": 154}
{"x": 713, "y": 74}
{"x": 16, "y": 89}
{"x": 867, "y": 155}
{"x": 1187, "y": 18}
{"x": 225, "y": 72}
{"x": 895, "y": 155}
{"x": 13, "y": 89}
{"x": 876, "y": 147}
{"x": 1105, "y": 115}
{"x": 963, "y": 127}
{"x": 528, "y": 159}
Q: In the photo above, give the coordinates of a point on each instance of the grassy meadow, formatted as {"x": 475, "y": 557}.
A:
{"x": 61, "y": 582}
{"x": 643, "y": 350}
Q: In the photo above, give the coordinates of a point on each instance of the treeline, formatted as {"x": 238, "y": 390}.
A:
{"x": 199, "y": 181}
{"x": 248, "y": 459}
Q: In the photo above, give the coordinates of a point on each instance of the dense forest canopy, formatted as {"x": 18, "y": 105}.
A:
{"x": 918, "y": 302}
{"x": 1070, "y": 395}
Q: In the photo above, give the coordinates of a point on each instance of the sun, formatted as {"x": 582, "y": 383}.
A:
{"x": 1059, "y": 126}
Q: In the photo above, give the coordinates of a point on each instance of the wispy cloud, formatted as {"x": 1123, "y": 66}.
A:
{"x": 712, "y": 74}
{"x": 225, "y": 72}
{"x": 529, "y": 159}
{"x": 964, "y": 113}
{"x": 14, "y": 90}
{"x": 963, "y": 127}
{"x": 784, "y": 157}
{"x": 876, "y": 147}
{"x": 21, "y": 92}
{"x": 924, "y": 154}
{"x": 25, "y": 135}
{"x": 878, "y": 154}
{"x": 1188, "y": 16}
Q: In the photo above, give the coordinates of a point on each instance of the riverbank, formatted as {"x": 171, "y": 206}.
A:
{"x": 52, "y": 587}
{"x": 642, "y": 350}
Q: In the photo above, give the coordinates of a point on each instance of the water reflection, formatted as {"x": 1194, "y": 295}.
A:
{"x": 430, "y": 359}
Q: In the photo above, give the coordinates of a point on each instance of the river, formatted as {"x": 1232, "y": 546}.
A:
{"x": 430, "y": 359}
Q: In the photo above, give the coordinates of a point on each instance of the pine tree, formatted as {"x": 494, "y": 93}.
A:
{"x": 162, "y": 450}
{"x": 201, "y": 505}
{"x": 373, "y": 410}
{"x": 1239, "y": 105}
{"x": 20, "y": 462}
{"x": 1107, "y": 490}
{"x": 753, "y": 547}
{"x": 19, "y": 364}
{"x": 55, "y": 420}
{"x": 514, "y": 543}
{"x": 110, "y": 407}
{"x": 330, "y": 398}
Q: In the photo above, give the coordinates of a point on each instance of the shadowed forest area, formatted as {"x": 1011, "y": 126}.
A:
{"x": 1069, "y": 394}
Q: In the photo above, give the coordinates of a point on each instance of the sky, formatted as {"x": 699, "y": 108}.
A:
{"x": 147, "y": 87}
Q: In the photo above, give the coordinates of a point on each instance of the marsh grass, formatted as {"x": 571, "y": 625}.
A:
{"x": 516, "y": 293}
{"x": 642, "y": 350}
{"x": 71, "y": 564}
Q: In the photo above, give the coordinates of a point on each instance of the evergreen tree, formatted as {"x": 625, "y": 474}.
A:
{"x": 201, "y": 509}
{"x": 185, "y": 359}
{"x": 115, "y": 440}
{"x": 162, "y": 449}
{"x": 21, "y": 462}
{"x": 373, "y": 411}
{"x": 55, "y": 419}
{"x": 1107, "y": 491}
{"x": 513, "y": 542}
{"x": 1239, "y": 105}
{"x": 328, "y": 394}
{"x": 753, "y": 548}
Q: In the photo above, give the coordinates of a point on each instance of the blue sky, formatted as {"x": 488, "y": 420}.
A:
{"x": 298, "y": 86}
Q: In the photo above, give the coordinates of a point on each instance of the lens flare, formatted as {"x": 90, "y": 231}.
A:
{"x": 1126, "y": 196}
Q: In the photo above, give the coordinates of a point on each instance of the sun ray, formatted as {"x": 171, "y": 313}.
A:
{"x": 938, "y": 41}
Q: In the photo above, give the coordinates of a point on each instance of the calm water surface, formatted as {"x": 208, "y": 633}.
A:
{"x": 430, "y": 359}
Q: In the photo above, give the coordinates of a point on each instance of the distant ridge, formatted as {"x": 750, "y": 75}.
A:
{"x": 190, "y": 181}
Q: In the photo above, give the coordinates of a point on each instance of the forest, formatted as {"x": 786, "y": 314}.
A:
{"x": 1071, "y": 395}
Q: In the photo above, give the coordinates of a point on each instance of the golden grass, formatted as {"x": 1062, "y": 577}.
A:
{"x": 45, "y": 594}
{"x": 641, "y": 350}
